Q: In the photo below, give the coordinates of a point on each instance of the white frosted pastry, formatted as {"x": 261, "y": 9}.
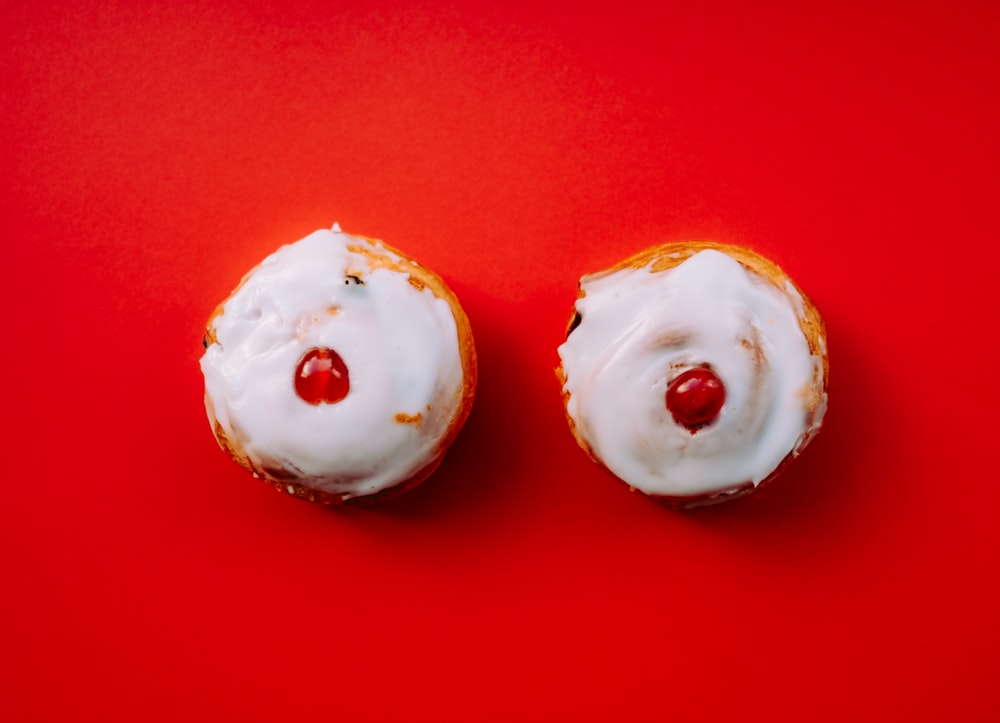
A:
{"x": 694, "y": 371}
{"x": 339, "y": 369}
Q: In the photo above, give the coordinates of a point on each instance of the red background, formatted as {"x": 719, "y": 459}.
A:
{"x": 153, "y": 152}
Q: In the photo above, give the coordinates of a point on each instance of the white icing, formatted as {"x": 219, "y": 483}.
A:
{"x": 400, "y": 346}
{"x": 640, "y": 329}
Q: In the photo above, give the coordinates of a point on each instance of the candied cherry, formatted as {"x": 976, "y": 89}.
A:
{"x": 695, "y": 397}
{"x": 321, "y": 377}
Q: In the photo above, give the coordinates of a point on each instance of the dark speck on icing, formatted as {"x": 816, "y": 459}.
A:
{"x": 577, "y": 318}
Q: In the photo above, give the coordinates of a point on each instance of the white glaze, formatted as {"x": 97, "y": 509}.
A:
{"x": 400, "y": 346}
{"x": 640, "y": 329}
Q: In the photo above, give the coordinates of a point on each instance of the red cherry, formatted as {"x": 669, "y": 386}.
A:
{"x": 695, "y": 397}
{"x": 321, "y": 377}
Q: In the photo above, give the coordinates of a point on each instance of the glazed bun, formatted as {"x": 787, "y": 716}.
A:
{"x": 694, "y": 371}
{"x": 339, "y": 369}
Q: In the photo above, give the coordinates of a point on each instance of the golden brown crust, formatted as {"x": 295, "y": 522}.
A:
{"x": 420, "y": 277}
{"x": 667, "y": 256}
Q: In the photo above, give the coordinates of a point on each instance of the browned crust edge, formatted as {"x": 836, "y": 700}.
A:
{"x": 420, "y": 277}
{"x": 667, "y": 256}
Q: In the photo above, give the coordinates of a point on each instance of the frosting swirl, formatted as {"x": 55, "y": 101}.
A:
{"x": 398, "y": 339}
{"x": 640, "y": 328}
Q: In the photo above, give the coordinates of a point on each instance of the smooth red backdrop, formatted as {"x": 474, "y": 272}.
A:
{"x": 152, "y": 152}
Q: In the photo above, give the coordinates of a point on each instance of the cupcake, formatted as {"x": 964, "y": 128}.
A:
{"x": 694, "y": 371}
{"x": 339, "y": 369}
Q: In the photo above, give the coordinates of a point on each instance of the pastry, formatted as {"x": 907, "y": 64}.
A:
{"x": 339, "y": 369}
{"x": 694, "y": 371}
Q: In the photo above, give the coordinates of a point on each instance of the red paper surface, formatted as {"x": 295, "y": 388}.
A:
{"x": 154, "y": 152}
